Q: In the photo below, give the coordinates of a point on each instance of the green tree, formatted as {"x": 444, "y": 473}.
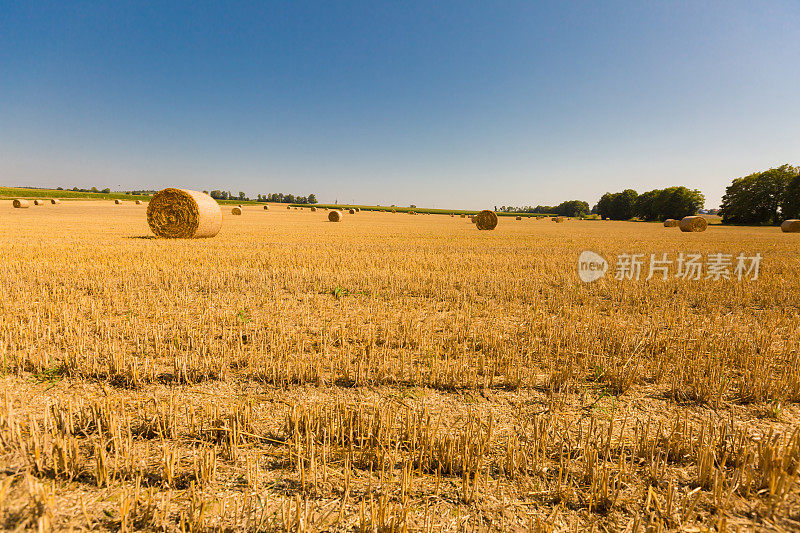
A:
{"x": 605, "y": 206}
{"x": 760, "y": 198}
{"x": 646, "y": 206}
{"x": 790, "y": 205}
{"x": 572, "y": 208}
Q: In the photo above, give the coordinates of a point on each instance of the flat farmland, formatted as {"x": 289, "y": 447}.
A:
{"x": 392, "y": 372}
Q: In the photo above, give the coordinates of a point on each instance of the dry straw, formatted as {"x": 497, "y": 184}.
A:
{"x": 21, "y": 204}
{"x": 693, "y": 224}
{"x": 671, "y": 223}
{"x": 38, "y": 202}
{"x": 486, "y": 220}
{"x": 184, "y": 214}
{"x": 791, "y": 226}
{"x": 557, "y": 219}
{"x": 313, "y": 209}
{"x": 519, "y": 218}
{"x": 54, "y": 201}
{"x": 236, "y": 211}
{"x": 138, "y": 202}
{"x": 352, "y": 211}
{"x": 335, "y": 216}
{"x": 117, "y": 201}
{"x": 266, "y": 208}
{"x": 288, "y": 207}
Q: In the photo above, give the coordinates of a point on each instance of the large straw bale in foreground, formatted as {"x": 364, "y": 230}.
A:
{"x": 184, "y": 214}
{"x": 21, "y": 204}
{"x": 671, "y": 223}
{"x": 791, "y": 226}
{"x": 693, "y": 224}
{"x": 486, "y": 220}
{"x": 335, "y": 216}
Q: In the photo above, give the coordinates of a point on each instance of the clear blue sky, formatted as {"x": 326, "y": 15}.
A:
{"x": 449, "y": 104}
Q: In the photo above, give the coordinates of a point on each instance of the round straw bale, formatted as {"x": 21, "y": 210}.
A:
{"x": 313, "y": 209}
{"x": 335, "y": 216}
{"x": 557, "y": 219}
{"x": 183, "y": 214}
{"x": 463, "y": 215}
{"x": 266, "y": 208}
{"x": 38, "y": 202}
{"x": 486, "y": 220}
{"x": 117, "y": 201}
{"x": 288, "y": 207}
{"x": 138, "y": 202}
{"x": 791, "y": 226}
{"x": 519, "y": 218}
{"x": 352, "y": 211}
{"x": 21, "y": 204}
{"x": 693, "y": 224}
{"x": 236, "y": 210}
{"x": 55, "y": 201}
{"x": 672, "y": 223}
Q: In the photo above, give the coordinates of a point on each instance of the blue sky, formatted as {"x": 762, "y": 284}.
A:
{"x": 447, "y": 104}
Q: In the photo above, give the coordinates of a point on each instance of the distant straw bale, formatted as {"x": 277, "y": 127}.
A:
{"x": 117, "y": 202}
{"x": 183, "y": 214}
{"x": 672, "y": 223}
{"x": 236, "y": 210}
{"x": 38, "y": 202}
{"x": 791, "y": 226}
{"x": 313, "y": 209}
{"x": 335, "y": 216}
{"x": 266, "y": 208}
{"x": 55, "y": 201}
{"x": 138, "y": 202}
{"x": 693, "y": 224}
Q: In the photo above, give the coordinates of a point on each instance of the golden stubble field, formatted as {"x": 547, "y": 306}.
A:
{"x": 389, "y": 373}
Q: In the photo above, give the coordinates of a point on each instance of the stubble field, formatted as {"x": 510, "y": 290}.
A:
{"x": 390, "y": 372}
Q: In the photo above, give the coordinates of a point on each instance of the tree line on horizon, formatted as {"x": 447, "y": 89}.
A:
{"x": 658, "y": 204}
{"x": 279, "y": 197}
{"x": 570, "y": 208}
{"x": 766, "y": 197}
